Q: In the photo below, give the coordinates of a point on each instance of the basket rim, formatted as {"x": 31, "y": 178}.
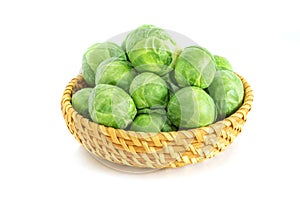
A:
{"x": 66, "y": 106}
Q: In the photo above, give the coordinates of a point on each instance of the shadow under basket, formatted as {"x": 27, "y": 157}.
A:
{"x": 148, "y": 150}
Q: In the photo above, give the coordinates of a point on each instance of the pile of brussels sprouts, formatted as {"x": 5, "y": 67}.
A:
{"x": 148, "y": 84}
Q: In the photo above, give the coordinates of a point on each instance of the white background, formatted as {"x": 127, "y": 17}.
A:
{"x": 41, "y": 45}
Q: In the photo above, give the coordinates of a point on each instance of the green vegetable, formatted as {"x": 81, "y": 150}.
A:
{"x": 148, "y": 123}
{"x": 150, "y": 49}
{"x": 95, "y": 55}
{"x": 148, "y": 90}
{"x": 150, "y": 85}
{"x": 222, "y": 63}
{"x": 195, "y": 66}
{"x": 111, "y": 106}
{"x": 191, "y": 107}
{"x": 159, "y": 111}
{"x": 227, "y": 91}
{"x": 80, "y": 101}
{"x": 115, "y": 72}
{"x": 167, "y": 126}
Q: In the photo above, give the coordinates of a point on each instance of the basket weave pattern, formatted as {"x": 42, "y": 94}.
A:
{"x": 160, "y": 150}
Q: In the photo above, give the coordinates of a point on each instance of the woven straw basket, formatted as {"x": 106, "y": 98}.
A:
{"x": 161, "y": 150}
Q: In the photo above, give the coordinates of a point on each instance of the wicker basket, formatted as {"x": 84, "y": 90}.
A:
{"x": 165, "y": 149}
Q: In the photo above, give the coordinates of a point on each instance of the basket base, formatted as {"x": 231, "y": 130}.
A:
{"x": 122, "y": 168}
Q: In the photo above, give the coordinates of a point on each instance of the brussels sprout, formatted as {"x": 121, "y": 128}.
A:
{"x": 115, "y": 72}
{"x": 159, "y": 111}
{"x": 195, "y": 66}
{"x": 96, "y": 54}
{"x": 148, "y": 123}
{"x": 222, "y": 63}
{"x": 163, "y": 113}
{"x": 227, "y": 91}
{"x": 150, "y": 49}
{"x": 191, "y": 107}
{"x": 148, "y": 90}
{"x": 111, "y": 106}
{"x": 80, "y": 101}
{"x": 145, "y": 31}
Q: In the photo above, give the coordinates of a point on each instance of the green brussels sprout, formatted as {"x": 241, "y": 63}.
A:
{"x": 160, "y": 111}
{"x": 163, "y": 113}
{"x": 95, "y": 55}
{"x": 150, "y": 49}
{"x": 148, "y": 123}
{"x": 222, "y": 63}
{"x": 148, "y": 90}
{"x": 142, "y": 32}
{"x": 227, "y": 90}
{"x": 111, "y": 106}
{"x": 195, "y": 66}
{"x": 115, "y": 72}
{"x": 191, "y": 107}
{"x": 80, "y": 101}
